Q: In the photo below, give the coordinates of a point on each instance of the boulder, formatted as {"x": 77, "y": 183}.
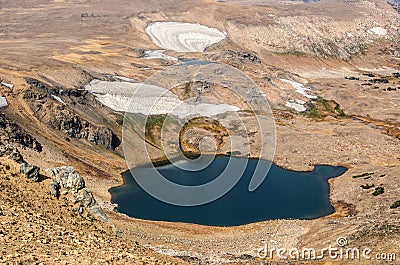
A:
{"x": 30, "y": 171}
{"x": 11, "y": 152}
{"x": 68, "y": 178}
{"x": 54, "y": 188}
{"x": 85, "y": 198}
{"x": 86, "y": 201}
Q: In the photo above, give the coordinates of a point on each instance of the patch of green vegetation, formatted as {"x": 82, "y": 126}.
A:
{"x": 321, "y": 108}
{"x": 292, "y": 52}
{"x": 120, "y": 119}
{"x": 378, "y": 191}
{"x": 367, "y": 186}
{"x": 186, "y": 90}
{"x": 313, "y": 112}
{"x": 155, "y": 120}
{"x": 363, "y": 175}
{"x": 395, "y": 205}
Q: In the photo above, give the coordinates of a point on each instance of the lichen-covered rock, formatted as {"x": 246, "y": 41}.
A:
{"x": 30, "y": 171}
{"x": 54, "y": 188}
{"x": 68, "y": 178}
{"x": 11, "y": 152}
{"x": 86, "y": 201}
{"x": 85, "y": 197}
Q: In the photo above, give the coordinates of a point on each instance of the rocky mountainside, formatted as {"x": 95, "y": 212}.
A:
{"x": 36, "y": 227}
{"x": 338, "y": 57}
{"x": 11, "y": 132}
{"x": 47, "y": 104}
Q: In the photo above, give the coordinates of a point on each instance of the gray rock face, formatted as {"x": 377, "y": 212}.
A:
{"x": 30, "y": 171}
{"x": 66, "y": 177}
{"x": 54, "y": 188}
{"x": 11, "y": 152}
{"x": 86, "y": 200}
{"x": 69, "y": 121}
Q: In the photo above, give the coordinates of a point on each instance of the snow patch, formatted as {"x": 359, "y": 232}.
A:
{"x": 183, "y": 37}
{"x": 297, "y": 105}
{"x": 300, "y": 88}
{"x": 123, "y": 78}
{"x": 377, "y": 31}
{"x": 150, "y": 100}
{"x": 3, "y": 102}
{"x": 10, "y": 86}
{"x": 58, "y": 99}
{"x": 158, "y": 54}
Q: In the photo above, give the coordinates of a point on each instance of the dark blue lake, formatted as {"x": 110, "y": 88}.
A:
{"x": 284, "y": 194}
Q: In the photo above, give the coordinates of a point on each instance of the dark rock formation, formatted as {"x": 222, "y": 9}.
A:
{"x": 76, "y": 127}
{"x": 30, "y": 171}
{"x": 65, "y": 118}
{"x": 11, "y": 132}
{"x": 243, "y": 56}
{"x": 54, "y": 188}
{"x": 11, "y": 152}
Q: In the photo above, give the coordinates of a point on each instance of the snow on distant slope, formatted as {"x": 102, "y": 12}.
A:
{"x": 3, "y": 102}
{"x": 297, "y": 105}
{"x": 150, "y": 100}
{"x": 378, "y": 31}
{"x": 300, "y": 88}
{"x": 183, "y": 37}
{"x": 58, "y": 99}
{"x": 158, "y": 54}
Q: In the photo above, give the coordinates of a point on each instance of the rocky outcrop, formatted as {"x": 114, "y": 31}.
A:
{"x": 11, "y": 152}
{"x": 54, "y": 188}
{"x": 243, "y": 56}
{"x": 76, "y": 127}
{"x": 10, "y": 132}
{"x": 30, "y": 171}
{"x": 85, "y": 199}
{"x": 66, "y": 178}
{"x": 42, "y": 99}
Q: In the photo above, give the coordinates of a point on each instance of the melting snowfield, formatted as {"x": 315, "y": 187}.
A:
{"x": 3, "y": 102}
{"x": 378, "y": 31}
{"x": 296, "y": 104}
{"x": 150, "y": 100}
{"x": 183, "y": 37}
{"x": 158, "y": 54}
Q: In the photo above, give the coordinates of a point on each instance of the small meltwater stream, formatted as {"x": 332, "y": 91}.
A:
{"x": 284, "y": 194}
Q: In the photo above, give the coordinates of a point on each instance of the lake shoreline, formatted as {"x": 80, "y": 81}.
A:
{"x": 340, "y": 170}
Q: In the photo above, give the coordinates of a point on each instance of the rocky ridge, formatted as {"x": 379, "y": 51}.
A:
{"x": 35, "y": 228}
{"x": 12, "y": 133}
{"x": 57, "y": 115}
